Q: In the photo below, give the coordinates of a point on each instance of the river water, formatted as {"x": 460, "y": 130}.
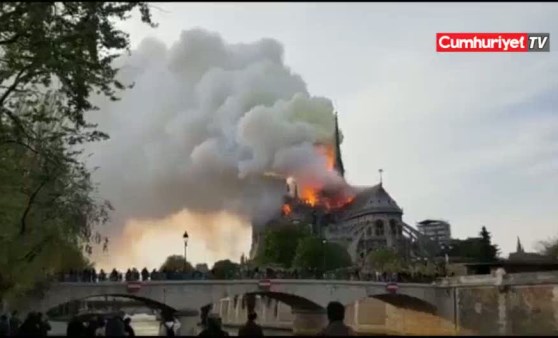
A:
{"x": 147, "y": 325}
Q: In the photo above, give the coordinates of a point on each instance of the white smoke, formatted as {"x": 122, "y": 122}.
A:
{"x": 203, "y": 124}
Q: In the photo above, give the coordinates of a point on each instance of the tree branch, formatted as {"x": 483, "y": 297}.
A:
{"x": 10, "y": 40}
{"x": 48, "y": 156}
{"x": 23, "y": 225}
{"x": 25, "y": 145}
{"x": 35, "y": 250}
{"x": 14, "y": 85}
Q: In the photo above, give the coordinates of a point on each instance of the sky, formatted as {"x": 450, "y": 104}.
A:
{"x": 471, "y": 138}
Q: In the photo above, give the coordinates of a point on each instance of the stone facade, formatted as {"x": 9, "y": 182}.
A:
{"x": 372, "y": 220}
{"x": 515, "y": 310}
{"x": 525, "y": 304}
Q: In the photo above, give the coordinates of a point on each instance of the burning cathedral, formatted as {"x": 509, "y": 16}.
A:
{"x": 361, "y": 219}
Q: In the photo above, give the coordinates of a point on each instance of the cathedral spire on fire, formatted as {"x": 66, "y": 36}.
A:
{"x": 338, "y": 160}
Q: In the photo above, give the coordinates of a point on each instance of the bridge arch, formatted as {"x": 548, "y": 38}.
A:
{"x": 147, "y": 301}
{"x": 292, "y": 300}
{"x": 401, "y": 314}
{"x": 403, "y": 301}
{"x": 178, "y": 295}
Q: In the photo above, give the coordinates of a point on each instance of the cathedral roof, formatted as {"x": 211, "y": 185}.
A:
{"x": 373, "y": 199}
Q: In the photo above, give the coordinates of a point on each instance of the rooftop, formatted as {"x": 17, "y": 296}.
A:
{"x": 373, "y": 199}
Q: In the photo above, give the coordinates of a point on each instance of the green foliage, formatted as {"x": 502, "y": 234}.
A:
{"x": 550, "y": 248}
{"x": 176, "y": 263}
{"x": 280, "y": 244}
{"x": 385, "y": 260}
{"x": 315, "y": 253}
{"x": 423, "y": 268}
{"x": 48, "y": 214}
{"x": 476, "y": 249}
{"x": 68, "y": 47}
{"x": 53, "y": 57}
{"x": 225, "y": 269}
{"x": 488, "y": 252}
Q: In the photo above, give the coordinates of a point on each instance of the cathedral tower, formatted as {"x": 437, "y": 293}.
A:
{"x": 338, "y": 160}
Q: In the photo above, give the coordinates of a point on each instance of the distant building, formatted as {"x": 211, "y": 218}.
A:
{"x": 527, "y": 257}
{"x": 437, "y": 230}
{"x": 517, "y": 262}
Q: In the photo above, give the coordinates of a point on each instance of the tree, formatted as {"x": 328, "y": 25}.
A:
{"x": 384, "y": 260}
{"x": 53, "y": 57}
{"x": 315, "y": 253}
{"x": 550, "y": 248}
{"x": 176, "y": 263}
{"x": 66, "y": 47}
{"x": 225, "y": 269}
{"x": 487, "y": 251}
{"x": 47, "y": 211}
{"x": 280, "y": 244}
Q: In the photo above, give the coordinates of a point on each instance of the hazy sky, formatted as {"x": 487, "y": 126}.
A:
{"x": 470, "y": 138}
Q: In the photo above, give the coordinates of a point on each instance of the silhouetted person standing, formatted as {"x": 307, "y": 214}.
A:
{"x": 75, "y": 328}
{"x": 251, "y": 329}
{"x": 115, "y": 326}
{"x": 128, "y": 327}
{"x": 4, "y": 326}
{"x": 113, "y": 275}
{"x": 144, "y": 274}
{"x": 213, "y": 328}
{"x": 335, "y": 316}
{"x": 128, "y": 275}
{"x": 91, "y": 329}
{"x": 31, "y": 326}
{"x": 135, "y": 275}
{"x": 169, "y": 327}
{"x": 43, "y": 324}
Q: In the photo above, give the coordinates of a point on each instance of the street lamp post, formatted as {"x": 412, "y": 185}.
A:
{"x": 446, "y": 250}
{"x": 185, "y": 238}
{"x": 324, "y": 256}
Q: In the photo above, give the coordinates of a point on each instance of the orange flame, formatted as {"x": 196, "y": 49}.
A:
{"x": 313, "y": 195}
{"x": 329, "y": 153}
{"x": 338, "y": 202}
{"x": 309, "y": 196}
{"x": 286, "y": 209}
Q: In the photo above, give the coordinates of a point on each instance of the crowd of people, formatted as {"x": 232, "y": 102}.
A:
{"x": 34, "y": 325}
{"x": 92, "y": 276}
{"x": 95, "y": 326}
{"x": 118, "y": 325}
{"x": 335, "y": 326}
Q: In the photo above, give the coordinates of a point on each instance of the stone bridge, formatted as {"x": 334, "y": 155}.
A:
{"x": 190, "y": 294}
{"x": 307, "y": 298}
{"x": 525, "y": 303}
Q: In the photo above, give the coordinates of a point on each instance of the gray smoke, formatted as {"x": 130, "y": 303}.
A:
{"x": 204, "y": 126}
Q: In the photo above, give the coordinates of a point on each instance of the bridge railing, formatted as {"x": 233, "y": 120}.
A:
{"x": 93, "y": 277}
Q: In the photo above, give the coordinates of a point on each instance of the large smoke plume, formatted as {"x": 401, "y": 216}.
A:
{"x": 205, "y": 127}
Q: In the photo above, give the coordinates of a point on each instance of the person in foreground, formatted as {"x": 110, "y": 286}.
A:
{"x": 251, "y": 329}
{"x": 128, "y": 327}
{"x": 335, "y": 316}
{"x": 115, "y": 326}
{"x": 213, "y": 328}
